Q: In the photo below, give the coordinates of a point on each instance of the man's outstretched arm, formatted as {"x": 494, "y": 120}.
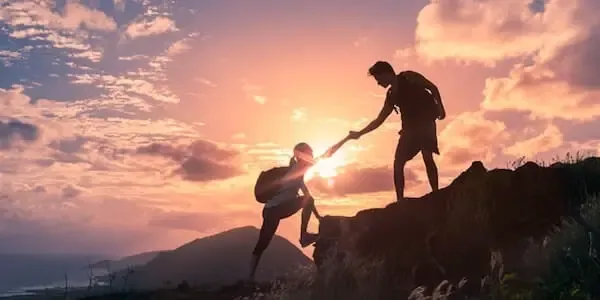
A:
{"x": 386, "y": 110}
{"x": 432, "y": 87}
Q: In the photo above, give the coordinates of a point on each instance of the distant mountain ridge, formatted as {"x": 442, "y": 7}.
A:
{"x": 218, "y": 259}
{"x": 128, "y": 261}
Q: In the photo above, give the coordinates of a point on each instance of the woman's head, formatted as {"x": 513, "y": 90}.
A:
{"x": 303, "y": 154}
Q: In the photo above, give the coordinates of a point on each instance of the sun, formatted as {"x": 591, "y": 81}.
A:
{"x": 326, "y": 168}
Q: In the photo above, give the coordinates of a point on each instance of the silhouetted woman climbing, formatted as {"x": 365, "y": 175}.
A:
{"x": 287, "y": 202}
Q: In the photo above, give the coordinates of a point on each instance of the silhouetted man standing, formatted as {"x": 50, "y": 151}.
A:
{"x": 420, "y": 104}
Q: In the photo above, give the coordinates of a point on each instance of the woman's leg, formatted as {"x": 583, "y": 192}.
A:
{"x": 267, "y": 231}
{"x": 308, "y": 208}
{"x": 314, "y": 210}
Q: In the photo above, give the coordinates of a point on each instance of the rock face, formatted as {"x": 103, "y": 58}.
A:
{"x": 449, "y": 234}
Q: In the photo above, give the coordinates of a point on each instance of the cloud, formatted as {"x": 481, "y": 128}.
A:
{"x": 41, "y": 13}
{"x": 265, "y": 154}
{"x": 493, "y": 30}
{"x": 551, "y": 138}
{"x": 69, "y": 145}
{"x": 195, "y": 221}
{"x": 181, "y": 46}
{"x": 253, "y": 91}
{"x": 260, "y": 99}
{"x": 7, "y": 57}
{"x": 405, "y": 55}
{"x": 150, "y": 27}
{"x": 205, "y": 81}
{"x": 41, "y": 21}
{"x": 561, "y": 86}
{"x": 200, "y": 161}
{"x": 71, "y": 191}
{"x": 239, "y": 136}
{"x": 85, "y": 104}
{"x": 76, "y": 15}
{"x": 556, "y": 44}
{"x": 120, "y": 5}
{"x": 299, "y": 115}
{"x": 14, "y": 131}
{"x": 34, "y": 220}
{"x": 469, "y": 137}
{"x": 361, "y": 41}
{"x": 356, "y": 179}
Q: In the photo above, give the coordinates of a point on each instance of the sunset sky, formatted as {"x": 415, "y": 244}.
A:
{"x": 135, "y": 125}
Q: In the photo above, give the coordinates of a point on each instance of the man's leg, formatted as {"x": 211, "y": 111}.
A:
{"x": 267, "y": 231}
{"x": 431, "y": 168}
{"x": 429, "y": 146}
{"x": 399, "y": 178}
{"x": 405, "y": 151}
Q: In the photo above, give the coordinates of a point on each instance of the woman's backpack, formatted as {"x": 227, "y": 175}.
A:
{"x": 269, "y": 183}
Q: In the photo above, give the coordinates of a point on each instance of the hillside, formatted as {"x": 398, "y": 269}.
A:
{"x": 219, "y": 259}
{"x": 125, "y": 262}
{"x": 452, "y": 233}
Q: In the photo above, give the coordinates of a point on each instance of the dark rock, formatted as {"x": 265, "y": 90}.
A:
{"x": 449, "y": 234}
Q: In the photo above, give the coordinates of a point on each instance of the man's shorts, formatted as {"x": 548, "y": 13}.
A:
{"x": 419, "y": 138}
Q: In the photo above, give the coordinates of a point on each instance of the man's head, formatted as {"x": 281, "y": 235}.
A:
{"x": 383, "y": 73}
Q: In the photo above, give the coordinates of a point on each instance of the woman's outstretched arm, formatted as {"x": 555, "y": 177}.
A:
{"x": 333, "y": 149}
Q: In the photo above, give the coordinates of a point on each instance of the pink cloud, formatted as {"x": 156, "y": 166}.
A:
{"x": 544, "y": 93}
{"x": 149, "y": 27}
{"x": 558, "y": 45}
{"x": 470, "y": 137}
{"x": 551, "y": 138}
{"x": 199, "y": 161}
{"x": 355, "y": 179}
{"x": 491, "y": 31}
{"x": 76, "y": 14}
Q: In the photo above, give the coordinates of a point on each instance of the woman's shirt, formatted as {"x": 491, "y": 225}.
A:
{"x": 289, "y": 189}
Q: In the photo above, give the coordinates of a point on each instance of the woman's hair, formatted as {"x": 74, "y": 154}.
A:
{"x": 302, "y": 148}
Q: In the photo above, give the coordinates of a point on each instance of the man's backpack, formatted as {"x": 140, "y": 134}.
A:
{"x": 269, "y": 183}
{"x": 419, "y": 99}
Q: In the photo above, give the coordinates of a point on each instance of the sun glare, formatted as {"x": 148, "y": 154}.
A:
{"x": 326, "y": 168}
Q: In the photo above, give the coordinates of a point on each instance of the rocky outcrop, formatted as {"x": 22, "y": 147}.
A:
{"x": 448, "y": 234}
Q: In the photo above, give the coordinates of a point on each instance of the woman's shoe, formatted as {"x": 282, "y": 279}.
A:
{"x": 308, "y": 238}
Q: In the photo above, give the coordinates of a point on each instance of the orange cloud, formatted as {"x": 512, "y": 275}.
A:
{"x": 558, "y": 41}
{"x": 253, "y": 91}
{"x": 299, "y": 115}
{"x": 551, "y": 138}
{"x": 491, "y": 31}
{"x": 543, "y": 93}
{"x": 470, "y": 137}
{"x": 198, "y": 222}
{"x": 355, "y": 179}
